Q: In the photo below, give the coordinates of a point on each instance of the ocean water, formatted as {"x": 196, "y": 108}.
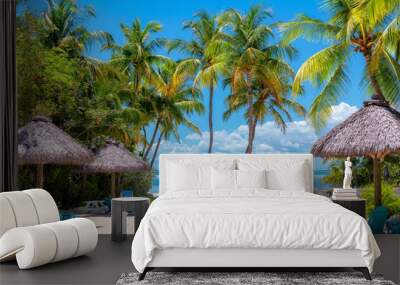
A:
{"x": 318, "y": 183}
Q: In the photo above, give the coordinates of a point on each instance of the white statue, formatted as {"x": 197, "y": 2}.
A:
{"x": 347, "y": 174}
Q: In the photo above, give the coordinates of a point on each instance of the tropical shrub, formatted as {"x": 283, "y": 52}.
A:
{"x": 362, "y": 171}
{"x": 392, "y": 164}
{"x": 390, "y": 199}
{"x": 139, "y": 182}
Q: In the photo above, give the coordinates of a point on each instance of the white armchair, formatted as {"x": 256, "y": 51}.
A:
{"x": 31, "y": 230}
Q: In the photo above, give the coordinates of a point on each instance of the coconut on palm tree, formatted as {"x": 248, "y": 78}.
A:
{"x": 210, "y": 47}
{"x": 258, "y": 67}
{"x": 370, "y": 28}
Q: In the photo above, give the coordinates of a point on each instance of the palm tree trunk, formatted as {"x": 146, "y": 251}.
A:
{"x": 153, "y": 137}
{"x": 145, "y": 140}
{"x": 377, "y": 181}
{"x": 253, "y": 132}
{"x": 39, "y": 176}
{"x": 137, "y": 80}
{"x": 372, "y": 76}
{"x": 376, "y": 86}
{"x": 250, "y": 120}
{"x": 156, "y": 150}
{"x": 210, "y": 118}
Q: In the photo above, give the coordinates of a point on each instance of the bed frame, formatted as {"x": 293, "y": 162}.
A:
{"x": 247, "y": 259}
{"x": 256, "y": 259}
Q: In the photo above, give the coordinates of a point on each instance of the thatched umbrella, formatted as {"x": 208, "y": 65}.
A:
{"x": 373, "y": 131}
{"x": 114, "y": 158}
{"x": 41, "y": 142}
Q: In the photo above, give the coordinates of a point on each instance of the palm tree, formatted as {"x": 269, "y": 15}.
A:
{"x": 209, "y": 46}
{"x": 367, "y": 27}
{"x": 62, "y": 28}
{"x": 114, "y": 119}
{"x": 271, "y": 99}
{"x": 257, "y": 67}
{"x": 175, "y": 99}
{"x": 137, "y": 57}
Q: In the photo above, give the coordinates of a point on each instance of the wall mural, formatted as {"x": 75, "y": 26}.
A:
{"x": 131, "y": 81}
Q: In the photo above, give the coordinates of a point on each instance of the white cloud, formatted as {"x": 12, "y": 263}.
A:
{"x": 341, "y": 112}
{"x": 299, "y": 137}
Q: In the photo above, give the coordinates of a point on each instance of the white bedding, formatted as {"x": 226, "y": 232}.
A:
{"x": 252, "y": 218}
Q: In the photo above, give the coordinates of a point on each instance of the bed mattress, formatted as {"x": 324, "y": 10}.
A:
{"x": 250, "y": 219}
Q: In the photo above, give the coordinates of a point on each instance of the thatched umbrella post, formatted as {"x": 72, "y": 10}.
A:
{"x": 113, "y": 192}
{"x": 114, "y": 158}
{"x": 39, "y": 175}
{"x": 377, "y": 181}
{"x": 373, "y": 131}
{"x": 41, "y": 142}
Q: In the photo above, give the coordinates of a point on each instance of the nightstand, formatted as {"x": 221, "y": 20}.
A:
{"x": 357, "y": 206}
{"x": 119, "y": 212}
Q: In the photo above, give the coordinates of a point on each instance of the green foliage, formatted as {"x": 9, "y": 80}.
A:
{"x": 139, "y": 182}
{"x": 67, "y": 187}
{"x": 390, "y": 199}
{"x": 363, "y": 178}
{"x": 29, "y": 61}
{"x": 62, "y": 28}
{"x": 368, "y": 27}
{"x": 363, "y": 171}
{"x": 79, "y": 93}
{"x": 392, "y": 164}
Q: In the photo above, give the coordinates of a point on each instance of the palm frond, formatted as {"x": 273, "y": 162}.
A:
{"x": 309, "y": 28}
{"x": 376, "y": 11}
{"x": 320, "y": 66}
{"x": 389, "y": 79}
{"x": 321, "y": 108}
{"x": 278, "y": 119}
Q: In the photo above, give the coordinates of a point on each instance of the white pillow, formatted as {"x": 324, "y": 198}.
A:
{"x": 193, "y": 174}
{"x": 282, "y": 174}
{"x": 251, "y": 178}
{"x": 293, "y": 179}
{"x": 183, "y": 178}
{"x": 223, "y": 179}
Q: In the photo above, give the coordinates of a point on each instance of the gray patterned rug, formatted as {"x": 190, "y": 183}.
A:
{"x": 243, "y": 278}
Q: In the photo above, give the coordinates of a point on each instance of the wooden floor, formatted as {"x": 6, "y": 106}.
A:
{"x": 103, "y": 266}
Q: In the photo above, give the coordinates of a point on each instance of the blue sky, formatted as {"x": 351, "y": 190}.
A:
{"x": 230, "y": 135}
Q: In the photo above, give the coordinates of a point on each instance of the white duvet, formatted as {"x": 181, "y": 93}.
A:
{"x": 250, "y": 219}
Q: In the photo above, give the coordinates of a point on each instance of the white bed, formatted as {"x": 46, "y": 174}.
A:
{"x": 198, "y": 222}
